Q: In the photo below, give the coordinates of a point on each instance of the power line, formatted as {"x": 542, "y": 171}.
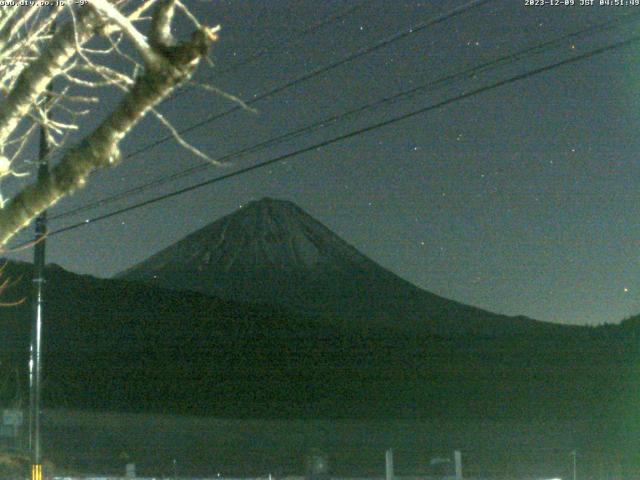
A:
{"x": 322, "y": 70}
{"x": 273, "y": 48}
{"x": 466, "y": 73}
{"x": 397, "y": 36}
{"x": 355, "y": 133}
{"x": 307, "y": 31}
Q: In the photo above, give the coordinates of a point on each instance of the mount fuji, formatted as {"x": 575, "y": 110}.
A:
{"x": 273, "y": 252}
{"x": 321, "y": 331}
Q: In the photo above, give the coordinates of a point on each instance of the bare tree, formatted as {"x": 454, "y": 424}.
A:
{"x": 80, "y": 54}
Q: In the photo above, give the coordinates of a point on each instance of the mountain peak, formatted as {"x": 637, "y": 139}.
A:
{"x": 267, "y": 237}
{"x": 271, "y": 207}
{"x": 272, "y": 251}
{"x": 272, "y": 202}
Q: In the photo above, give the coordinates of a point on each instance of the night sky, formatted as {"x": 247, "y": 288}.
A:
{"x": 521, "y": 200}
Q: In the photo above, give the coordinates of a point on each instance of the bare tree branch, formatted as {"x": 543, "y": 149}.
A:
{"x": 149, "y": 56}
{"x": 168, "y": 66}
{"x": 33, "y": 80}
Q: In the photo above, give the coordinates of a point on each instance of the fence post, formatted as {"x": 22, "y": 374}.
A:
{"x": 457, "y": 456}
{"x": 389, "y": 464}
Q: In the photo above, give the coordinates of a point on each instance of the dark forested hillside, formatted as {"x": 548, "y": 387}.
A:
{"x": 118, "y": 345}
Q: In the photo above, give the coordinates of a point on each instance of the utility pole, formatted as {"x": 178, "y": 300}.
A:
{"x": 35, "y": 361}
{"x": 574, "y": 454}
